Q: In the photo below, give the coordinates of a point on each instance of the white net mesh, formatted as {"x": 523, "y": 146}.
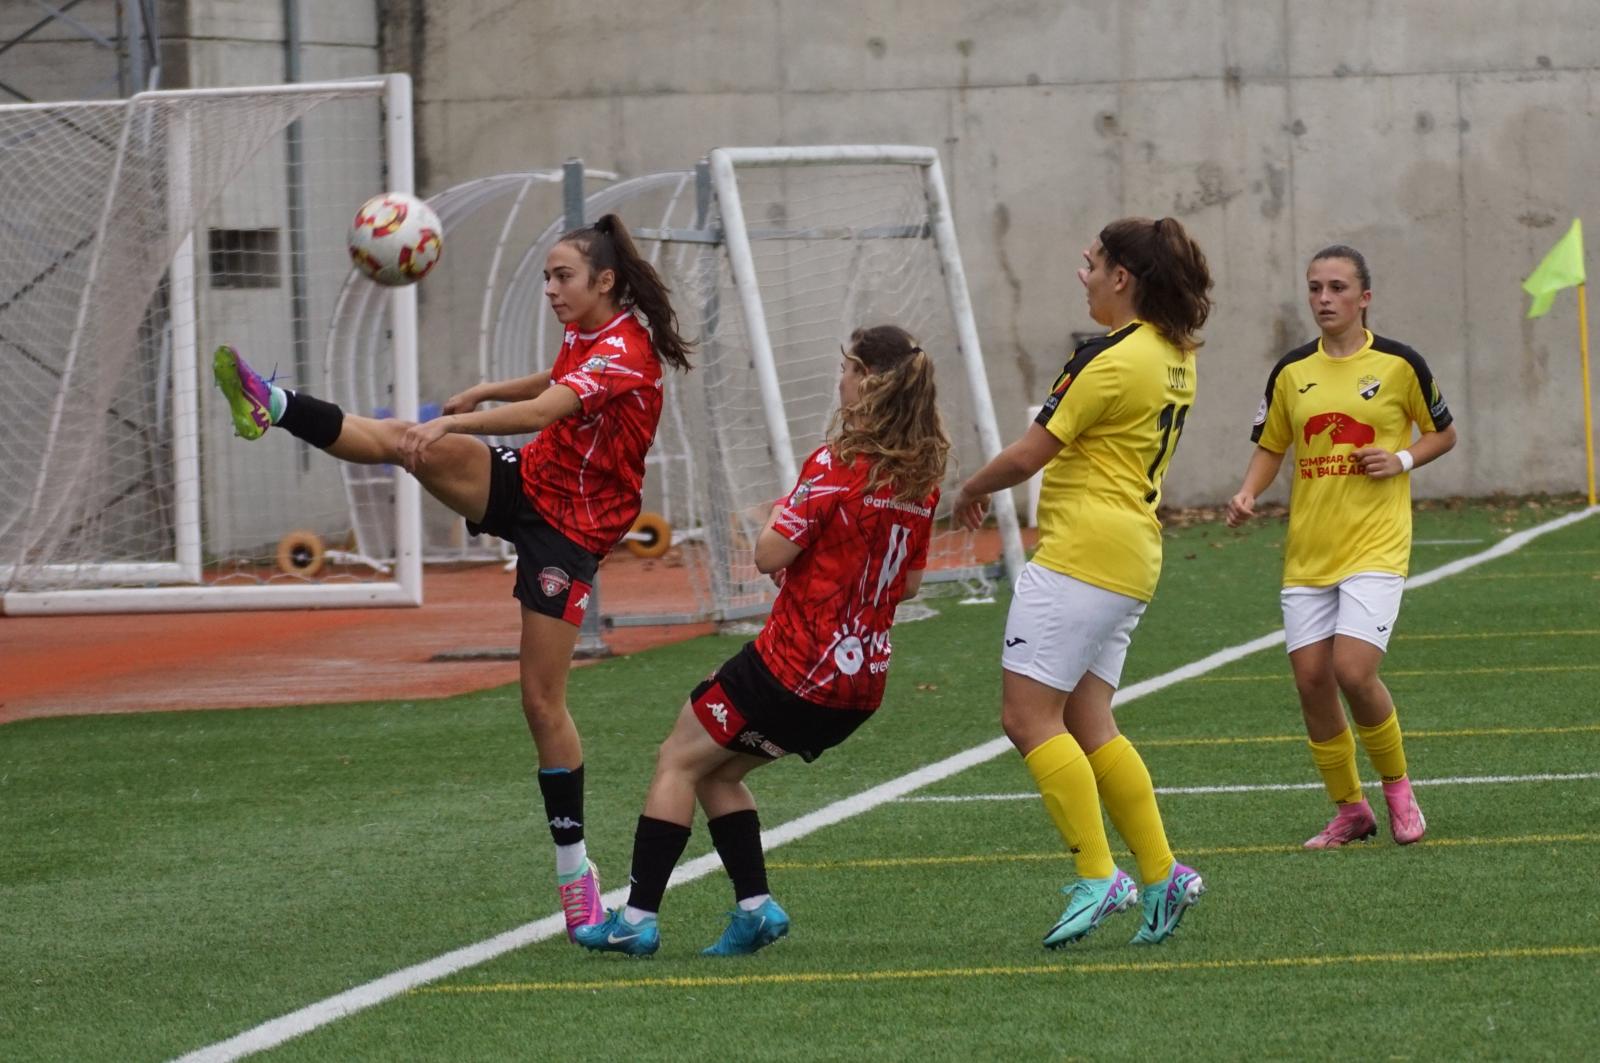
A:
{"x": 97, "y": 454}
{"x": 835, "y": 247}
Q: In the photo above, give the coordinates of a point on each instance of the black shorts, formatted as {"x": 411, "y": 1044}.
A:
{"x": 743, "y": 707}
{"x": 554, "y": 574}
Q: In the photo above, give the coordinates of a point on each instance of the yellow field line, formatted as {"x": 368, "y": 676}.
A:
{"x": 1498, "y": 635}
{"x": 1463, "y": 732}
{"x": 1391, "y": 672}
{"x": 880, "y": 863}
{"x": 923, "y": 974}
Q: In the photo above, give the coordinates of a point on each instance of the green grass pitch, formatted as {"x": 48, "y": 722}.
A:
{"x": 170, "y": 880}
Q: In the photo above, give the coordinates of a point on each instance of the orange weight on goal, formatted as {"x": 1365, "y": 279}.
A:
{"x": 300, "y": 553}
{"x": 650, "y": 536}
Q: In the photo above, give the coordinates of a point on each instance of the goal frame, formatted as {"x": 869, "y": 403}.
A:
{"x": 180, "y": 580}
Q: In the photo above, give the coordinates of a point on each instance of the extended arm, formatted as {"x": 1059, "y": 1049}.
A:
{"x": 1010, "y": 467}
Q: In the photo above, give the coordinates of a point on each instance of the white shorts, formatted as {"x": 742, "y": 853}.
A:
{"x": 1060, "y": 627}
{"x": 1364, "y": 606}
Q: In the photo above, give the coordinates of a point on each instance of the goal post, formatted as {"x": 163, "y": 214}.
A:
{"x": 724, "y": 162}
{"x": 141, "y": 234}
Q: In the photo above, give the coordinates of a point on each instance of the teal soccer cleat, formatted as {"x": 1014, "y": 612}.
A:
{"x": 1165, "y": 902}
{"x": 749, "y": 931}
{"x": 616, "y": 934}
{"x": 1089, "y": 902}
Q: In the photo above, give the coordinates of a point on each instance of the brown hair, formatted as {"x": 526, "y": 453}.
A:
{"x": 1171, "y": 273}
{"x": 895, "y": 420}
{"x": 607, "y": 244}
{"x": 1351, "y": 255}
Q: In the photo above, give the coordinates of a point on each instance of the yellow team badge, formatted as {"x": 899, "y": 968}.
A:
{"x": 1368, "y": 386}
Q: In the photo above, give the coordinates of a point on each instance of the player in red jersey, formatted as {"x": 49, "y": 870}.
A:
{"x": 564, "y": 500}
{"x": 848, "y": 543}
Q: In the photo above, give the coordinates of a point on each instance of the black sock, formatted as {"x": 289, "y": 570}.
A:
{"x": 314, "y": 420}
{"x": 657, "y": 845}
{"x": 563, "y": 802}
{"x": 737, "y": 837}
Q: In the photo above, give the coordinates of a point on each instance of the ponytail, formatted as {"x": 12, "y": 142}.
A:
{"x": 1172, "y": 279}
{"x": 607, "y": 244}
{"x": 895, "y": 420}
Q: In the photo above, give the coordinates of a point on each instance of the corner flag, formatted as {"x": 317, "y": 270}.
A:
{"x": 1561, "y": 268}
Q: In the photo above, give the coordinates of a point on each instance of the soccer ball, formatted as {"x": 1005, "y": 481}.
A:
{"x": 395, "y": 239}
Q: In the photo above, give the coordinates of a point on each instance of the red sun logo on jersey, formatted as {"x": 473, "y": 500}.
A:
{"x": 1344, "y": 429}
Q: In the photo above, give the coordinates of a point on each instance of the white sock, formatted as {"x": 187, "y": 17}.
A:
{"x": 750, "y": 904}
{"x": 636, "y": 915}
{"x": 570, "y": 859}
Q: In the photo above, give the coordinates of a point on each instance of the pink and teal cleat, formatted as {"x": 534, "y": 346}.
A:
{"x": 580, "y": 900}
{"x": 1165, "y": 902}
{"x": 1089, "y": 902}
{"x": 1353, "y": 823}
{"x": 249, "y": 397}
{"x": 1405, "y": 818}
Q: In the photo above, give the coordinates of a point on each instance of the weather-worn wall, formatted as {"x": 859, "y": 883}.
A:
{"x": 1450, "y": 140}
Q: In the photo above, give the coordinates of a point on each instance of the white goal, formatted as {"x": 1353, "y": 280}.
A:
{"x": 140, "y": 234}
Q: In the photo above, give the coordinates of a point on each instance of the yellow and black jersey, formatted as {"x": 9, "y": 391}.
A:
{"x": 1325, "y": 409}
{"x": 1118, "y": 408}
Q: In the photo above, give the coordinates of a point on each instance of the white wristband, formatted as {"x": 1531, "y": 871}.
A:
{"x": 1406, "y": 460}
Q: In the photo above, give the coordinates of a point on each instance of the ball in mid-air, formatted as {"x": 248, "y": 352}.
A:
{"x": 395, "y": 239}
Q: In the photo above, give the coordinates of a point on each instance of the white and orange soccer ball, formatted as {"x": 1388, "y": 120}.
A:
{"x": 395, "y": 239}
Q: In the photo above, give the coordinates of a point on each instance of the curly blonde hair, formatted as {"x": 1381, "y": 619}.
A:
{"x": 895, "y": 420}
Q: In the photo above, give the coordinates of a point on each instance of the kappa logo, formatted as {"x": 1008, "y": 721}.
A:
{"x": 553, "y": 581}
{"x": 583, "y": 603}
{"x": 719, "y": 712}
{"x": 616, "y": 341}
{"x": 565, "y": 823}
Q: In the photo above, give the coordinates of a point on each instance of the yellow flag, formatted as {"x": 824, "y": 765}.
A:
{"x": 1561, "y": 268}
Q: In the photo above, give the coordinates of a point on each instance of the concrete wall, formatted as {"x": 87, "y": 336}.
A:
{"x": 1450, "y": 140}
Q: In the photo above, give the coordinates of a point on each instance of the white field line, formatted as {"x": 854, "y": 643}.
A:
{"x": 1271, "y": 787}
{"x": 302, "y": 1021}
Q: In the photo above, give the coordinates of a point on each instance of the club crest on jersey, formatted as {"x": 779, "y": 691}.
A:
{"x": 598, "y": 363}
{"x": 553, "y": 581}
{"x": 1368, "y": 386}
{"x": 803, "y": 491}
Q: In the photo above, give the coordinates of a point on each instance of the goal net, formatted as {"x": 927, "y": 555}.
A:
{"x": 774, "y": 256}
{"x": 140, "y": 234}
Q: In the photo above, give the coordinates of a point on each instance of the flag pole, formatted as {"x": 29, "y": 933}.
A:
{"x": 1588, "y": 415}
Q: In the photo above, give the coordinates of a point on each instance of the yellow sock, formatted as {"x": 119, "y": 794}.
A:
{"x": 1125, "y": 790}
{"x": 1066, "y": 782}
{"x": 1336, "y": 760}
{"x": 1385, "y": 748}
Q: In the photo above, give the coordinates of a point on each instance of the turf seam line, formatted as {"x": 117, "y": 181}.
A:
{"x": 303, "y": 1020}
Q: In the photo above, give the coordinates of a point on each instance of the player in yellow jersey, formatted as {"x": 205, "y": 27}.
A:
{"x": 1346, "y": 404}
{"x": 1104, "y": 440}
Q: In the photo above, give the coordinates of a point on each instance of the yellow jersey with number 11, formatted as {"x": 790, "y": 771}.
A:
{"x": 1118, "y": 408}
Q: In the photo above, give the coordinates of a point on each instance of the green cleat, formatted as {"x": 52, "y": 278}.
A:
{"x": 1089, "y": 902}
{"x": 249, "y": 397}
{"x": 1166, "y": 901}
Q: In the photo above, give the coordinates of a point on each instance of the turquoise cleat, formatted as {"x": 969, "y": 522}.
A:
{"x": 1089, "y": 902}
{"x": 616, "y": 934}
{"x": 1165, "y": 902}
{"x": 750, "y": 931}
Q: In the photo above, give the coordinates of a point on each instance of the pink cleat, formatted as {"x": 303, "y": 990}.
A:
{"x": 1405, "y": 818}
{"x": 1354, "y": 823}
{"x": 580, "y": 900}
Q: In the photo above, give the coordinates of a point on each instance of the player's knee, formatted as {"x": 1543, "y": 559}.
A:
{"x": 543, "y": 707}
{"x": 1315, "y": 687}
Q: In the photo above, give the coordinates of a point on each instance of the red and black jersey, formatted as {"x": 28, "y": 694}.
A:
{"x": 584, "y": 473}
{"x": 827, "y": 639}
